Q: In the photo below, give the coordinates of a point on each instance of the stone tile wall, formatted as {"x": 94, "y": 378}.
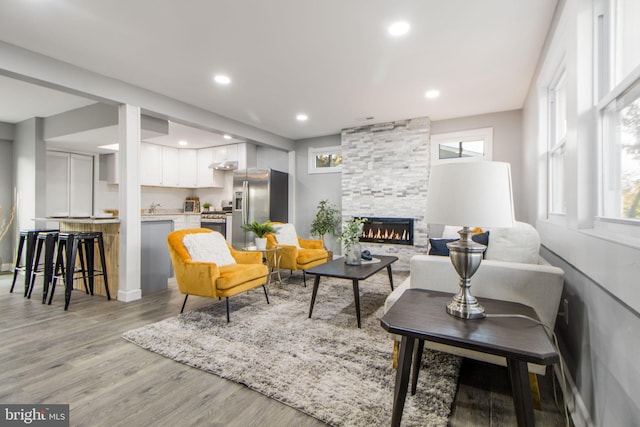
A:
{"x": 386, "y": 173}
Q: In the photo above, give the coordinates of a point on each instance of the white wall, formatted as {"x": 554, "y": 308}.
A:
{"x": 312, "y": 188}
{"x": 507, "y": 144}
{"x": 600, "y": 341}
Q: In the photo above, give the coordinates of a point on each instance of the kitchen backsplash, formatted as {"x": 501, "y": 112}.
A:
{"x": 106, "y": 196}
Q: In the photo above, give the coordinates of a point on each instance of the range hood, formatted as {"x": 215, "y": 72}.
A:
{"x": 227, "y": 165}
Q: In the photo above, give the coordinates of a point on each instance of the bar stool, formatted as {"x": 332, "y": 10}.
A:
{"x": 49, "y": 241}
{"x": 82, "y": 245}
{"x": 28, "y": 237}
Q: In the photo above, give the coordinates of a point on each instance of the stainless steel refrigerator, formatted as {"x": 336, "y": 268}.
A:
{"x": 258, "y": 195}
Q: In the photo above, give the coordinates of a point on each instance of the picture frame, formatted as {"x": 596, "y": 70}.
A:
{"x": 190, "y": 206}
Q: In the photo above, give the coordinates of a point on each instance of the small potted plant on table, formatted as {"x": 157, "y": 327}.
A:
{"x": 260, "y": 229}
{"x": 350, "y": 237}
{"x": 206, "y": 206}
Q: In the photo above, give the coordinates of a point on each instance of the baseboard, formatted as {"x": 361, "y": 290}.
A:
{"x": 577, "y": 409}
{"x": 127, "y": 296}
{"x": 6, "y": 266}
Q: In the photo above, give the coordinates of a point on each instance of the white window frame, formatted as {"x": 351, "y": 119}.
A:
{"x": 557, "y": 144}
{"x": 483, "y": 134}
{"x": 611, "y": 93}
{"x": 316, "y": 151}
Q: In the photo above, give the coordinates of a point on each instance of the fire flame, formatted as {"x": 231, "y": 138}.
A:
{"x": 385, "y": 234}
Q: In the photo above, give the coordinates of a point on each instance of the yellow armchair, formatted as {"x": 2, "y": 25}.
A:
{"x": 207, "y": 279}
{"x": 310, "y": 253}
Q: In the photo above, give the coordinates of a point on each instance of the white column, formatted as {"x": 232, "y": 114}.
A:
{"x": 129, "y": 139}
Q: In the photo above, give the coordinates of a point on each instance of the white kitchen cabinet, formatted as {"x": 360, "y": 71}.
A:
{"x": 150, "y": 164}
{"x": 170, "y": 167}
{"x": 208, "y": 178}
{"x": 188, "y": 168}
{"x": 109, "y": 168}
{"x": 69, "y": 184}
{"x": 182, "y": 222}
{"x": 193, "y": 221}
{"x": 205, "y": 158}
{"x": 246, "y": 155}
{"x": 225, "y": 152}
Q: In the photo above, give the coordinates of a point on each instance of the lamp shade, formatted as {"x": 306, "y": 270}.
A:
{"x": 474, "y": 194}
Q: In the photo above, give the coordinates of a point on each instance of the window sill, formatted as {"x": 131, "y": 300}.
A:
{"x": 627, "y": 240}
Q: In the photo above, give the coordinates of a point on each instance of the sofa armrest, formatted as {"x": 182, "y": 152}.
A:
{"x": 535, "y": 285}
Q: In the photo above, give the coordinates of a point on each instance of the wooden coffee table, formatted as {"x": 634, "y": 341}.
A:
{"x": 337, "y": 268}
{"x": 420, "y": 315}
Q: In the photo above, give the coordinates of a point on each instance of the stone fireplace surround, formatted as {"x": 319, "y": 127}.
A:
{"x": 385, "y": 174}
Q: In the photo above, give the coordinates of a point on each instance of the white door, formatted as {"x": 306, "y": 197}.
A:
{"x": 57, "y": 184}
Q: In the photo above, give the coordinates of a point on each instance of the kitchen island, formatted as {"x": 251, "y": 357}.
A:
{"x": 110, "y": 228}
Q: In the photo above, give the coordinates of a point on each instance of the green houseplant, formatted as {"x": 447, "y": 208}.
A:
{"x": 260, "y": 229}
{"x": 326, "y": 221}
{"x": 206, "y": 206}
{"x": 350, "y": 238}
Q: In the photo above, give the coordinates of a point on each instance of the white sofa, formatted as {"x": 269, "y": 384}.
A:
{"x": 534, "y": 282}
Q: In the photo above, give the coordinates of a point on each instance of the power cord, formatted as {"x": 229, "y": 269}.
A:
{"x": 557, "y": 347}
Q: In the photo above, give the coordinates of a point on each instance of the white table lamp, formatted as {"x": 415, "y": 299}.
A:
{"x": 469, "y": 194}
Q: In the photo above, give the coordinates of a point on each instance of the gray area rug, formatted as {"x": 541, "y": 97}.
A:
{"x": 324, "y": 366}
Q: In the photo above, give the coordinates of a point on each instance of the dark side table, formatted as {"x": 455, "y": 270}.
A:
{"x": 420, "y": 315}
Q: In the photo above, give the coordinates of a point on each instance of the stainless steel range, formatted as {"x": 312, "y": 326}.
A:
{"x": 216, "y": 221}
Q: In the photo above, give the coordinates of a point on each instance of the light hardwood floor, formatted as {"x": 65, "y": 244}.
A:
{"x": 77, "y": 357}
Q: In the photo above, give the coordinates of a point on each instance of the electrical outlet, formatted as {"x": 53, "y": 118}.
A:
{"x": 565, "y": 303}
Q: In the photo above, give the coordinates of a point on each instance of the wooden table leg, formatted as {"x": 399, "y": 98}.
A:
{"x": 417, "y": 359}
{"x": 316, "y": 284}
{"x": 521, "y": 392}
{"x": 356, "y": 297}
{"x": 390, "y": 276}
{"x": 402, "y": 379}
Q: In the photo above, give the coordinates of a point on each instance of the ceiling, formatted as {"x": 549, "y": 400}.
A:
{"x": 332, "y": 60}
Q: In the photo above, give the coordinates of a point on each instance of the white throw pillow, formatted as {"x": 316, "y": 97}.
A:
{"x": 520, "y": 243}
{"x": 208, "y": 247}
{"x": 286, "y": 235}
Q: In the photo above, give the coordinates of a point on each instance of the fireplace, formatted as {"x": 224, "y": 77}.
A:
{"x": 396, "y": 231}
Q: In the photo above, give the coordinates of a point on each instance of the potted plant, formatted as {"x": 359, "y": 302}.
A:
{"x": 350, "y": 237}
{"x": 206, "y": 206}
{"x": 260, "y": 230}
{"x": 326, "y": 221}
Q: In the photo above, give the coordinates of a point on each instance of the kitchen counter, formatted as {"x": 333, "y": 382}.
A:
{"x": 110, "y": 228}
{"x": 89, "y": 220}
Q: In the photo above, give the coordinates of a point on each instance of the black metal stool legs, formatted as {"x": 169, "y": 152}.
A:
{"x": 17, "y": 267}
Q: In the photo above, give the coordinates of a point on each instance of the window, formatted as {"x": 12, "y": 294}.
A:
{"x": 325, "y": 159}
{"x": 468, "y": 145}
{"x": 557, "y": 142}
{"x": 619, "y": 108}
{"x": 621, "y": 156}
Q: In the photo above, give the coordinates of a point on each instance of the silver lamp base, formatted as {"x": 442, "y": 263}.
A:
{"x": 466, "y": 256}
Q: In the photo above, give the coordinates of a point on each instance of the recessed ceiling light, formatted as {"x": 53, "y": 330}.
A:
{"x": 302, "y": 117}
{"x": 222, "y": 79}
{"x": 183, "y": 143}
{"x": 226, "y": 136}
{"x": 399, "y": 28}
{"x": 431, "y": 94}
{"x": 112, "y": 147}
